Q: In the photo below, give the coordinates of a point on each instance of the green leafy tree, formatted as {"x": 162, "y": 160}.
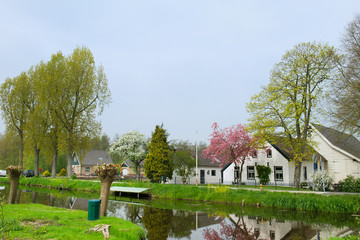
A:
{"x": 131, "y": 146}
{"x": 38, "y": 122}
{"x": 14, "y": 98}
{"x": 9, "y": 150}
{"x": 182, "y": 156}
{"x": 286, "y": 106}
{"x": 263, "y": 173}
{"x": 81, "y": 96}
{"x": 157, "y": 162}
{"x": 100, "y": 142}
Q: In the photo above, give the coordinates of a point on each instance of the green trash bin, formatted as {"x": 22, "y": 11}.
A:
{"x": 94, "y": 209}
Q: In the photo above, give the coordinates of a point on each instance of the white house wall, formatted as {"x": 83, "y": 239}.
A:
{"x": 339, "y": 164}
{"x": 209, "y": 179}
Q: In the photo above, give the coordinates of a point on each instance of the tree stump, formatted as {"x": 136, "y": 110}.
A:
{"x": 14, "y": 175}
{"x": 106, "y": 173}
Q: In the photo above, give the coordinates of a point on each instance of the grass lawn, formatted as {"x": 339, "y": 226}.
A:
{"x": 35, "y": 221}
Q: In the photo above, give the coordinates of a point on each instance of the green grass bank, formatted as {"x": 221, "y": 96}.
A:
{"x": 35, "y": 221}
{"x": 220, "y": 194}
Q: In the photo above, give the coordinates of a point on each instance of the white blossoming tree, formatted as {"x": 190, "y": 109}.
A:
{"x": 131, "y": 146}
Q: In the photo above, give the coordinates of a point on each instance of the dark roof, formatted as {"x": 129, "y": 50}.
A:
{"x": 341, "y": 140}
{"x": 205, "y": 162}
{"x": 96, "y": 157}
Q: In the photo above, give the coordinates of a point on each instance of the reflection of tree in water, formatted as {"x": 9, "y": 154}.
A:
{"x": 182, "y": 224}
{"x": 157, "y": 222}
{"x": 235, "y": 231}
{"x": 133, "y": 213}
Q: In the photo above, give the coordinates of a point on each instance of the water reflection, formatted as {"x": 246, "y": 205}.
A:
{"x": 193, "y": 220}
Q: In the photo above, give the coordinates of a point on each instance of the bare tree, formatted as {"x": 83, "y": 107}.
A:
{"x": 345, "y": 94}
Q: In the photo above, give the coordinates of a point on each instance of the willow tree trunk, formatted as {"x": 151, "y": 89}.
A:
{"x": 53, "y": 167}
{"x": 37, "y": 156}
{"x": 106, "y": 173}
{"x": 14, "y": 175}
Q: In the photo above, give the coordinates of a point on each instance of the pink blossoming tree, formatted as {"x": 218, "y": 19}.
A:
{"x": 232, "y": 144}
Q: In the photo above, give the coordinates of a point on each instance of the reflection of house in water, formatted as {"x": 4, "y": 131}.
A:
{"x": 263, "y": 228}
{"x": 205, "y": 220}
{"x": 286, "y": 230}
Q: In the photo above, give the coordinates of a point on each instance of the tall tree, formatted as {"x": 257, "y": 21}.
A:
{"x": 14, "y": 97}
{"x": 345, "y": 94}
{"x": 37, "y": 126}
{"x": 56, "y": 73}
{"x": 131, "y": 146}
{"x": 82, "y": 95}
{"x": 157, "y": 162}
{"x": 232, "y": 144}
{"x": 286, "y": 106}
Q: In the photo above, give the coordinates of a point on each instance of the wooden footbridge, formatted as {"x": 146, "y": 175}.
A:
{"x": 129, "y": 190}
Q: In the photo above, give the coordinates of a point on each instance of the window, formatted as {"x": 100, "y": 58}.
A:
{"x": 101, "y": 159}
{"x": 305, "y": 173}
{"x": 269, "y": 153}
{"x": 87, "y": 169}
{"x": 250, "y": 172}
{"x": 272, "y": 234}
{"x": 268, "y": 164}
{"x": 278, "y": 173}
{"x": 213, "y": 172}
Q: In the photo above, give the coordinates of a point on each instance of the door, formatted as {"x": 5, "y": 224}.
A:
{"x": 202, "y": 176}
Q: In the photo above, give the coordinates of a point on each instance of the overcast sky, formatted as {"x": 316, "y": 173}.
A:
{"x": 184, "y": 63}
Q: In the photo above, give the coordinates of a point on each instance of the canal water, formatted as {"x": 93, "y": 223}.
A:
{"x": 197, "y": 220}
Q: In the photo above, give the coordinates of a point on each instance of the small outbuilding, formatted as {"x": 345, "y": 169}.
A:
{"x": 86, "y": 167}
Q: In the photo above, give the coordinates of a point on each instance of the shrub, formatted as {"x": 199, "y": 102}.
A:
{"x": 318, "y": 181}
{"x": 263, "y": 173}
{"x": 62, "y": 172}
{"x": 349, "y": 184}
{"x": 304, "y": 185}
{"x": 74, "y": 177}
{"x": 46, "y": 174}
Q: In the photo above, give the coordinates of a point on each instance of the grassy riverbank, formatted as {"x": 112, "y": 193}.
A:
{"x": 34, "y": 221}
{"x": 221, "y": 194}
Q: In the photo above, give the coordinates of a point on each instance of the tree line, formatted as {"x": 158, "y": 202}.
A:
{"x": 53, "y": 106}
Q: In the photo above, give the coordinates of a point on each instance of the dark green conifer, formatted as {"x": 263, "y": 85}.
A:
{"x": 157, "y": 162}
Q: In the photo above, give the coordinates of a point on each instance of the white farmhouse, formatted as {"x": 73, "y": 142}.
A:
{"x": 340, "y": 151}
{"x": 279, "y": 161}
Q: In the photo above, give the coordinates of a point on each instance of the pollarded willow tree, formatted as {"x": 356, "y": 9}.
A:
{"x": 345, "y": 93}
{"x": 233, "y": 144}
{"x": 131, "y": 146}
{"x": 284, "y": 109}
{"x": 157, "y": 162}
